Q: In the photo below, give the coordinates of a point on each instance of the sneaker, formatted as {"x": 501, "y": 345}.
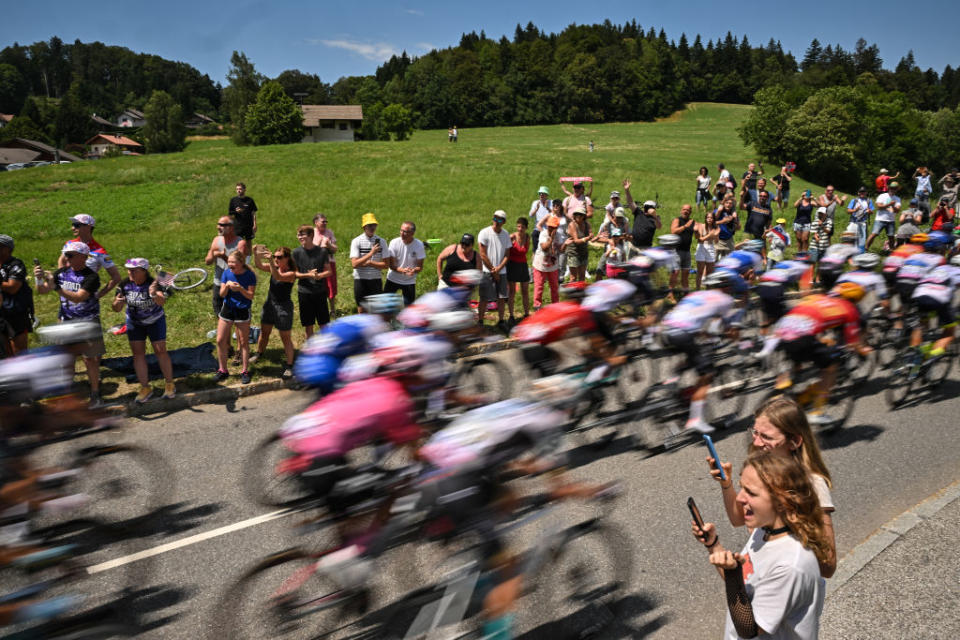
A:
{"x": 95, "y": 401}
{"x": 287, "y": 373}
{"x": 144, "y": 394}
{"x": 819, "y": 419}
{"x": 169, "y": 391}
{"x": 254, "y": 357}
{"x": 245, "y": 377}
{"x": 699, "y": 425}
{"x": 221, "y": 375}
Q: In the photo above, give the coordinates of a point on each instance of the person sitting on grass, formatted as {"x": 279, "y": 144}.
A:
{"x": 278, "y": 307}
{"x": 237, "y": 290}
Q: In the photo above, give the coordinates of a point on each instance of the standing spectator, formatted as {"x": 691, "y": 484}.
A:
{"x": 749, "y": 180}
{"x": 924, "y": 190}
{"x": 456, "y": 133}
{"x": 703, "y": 188}
{"x": 762, "y": 188}
{"x": 620, "y": 250}
{"x": 707, "y": 234}
{"x": 910, "y": 221}
{"x": 888, "y": 208}
{"x": 540, "y": 211}
{"x": 883, "y": 181}
{"x": 774, "y": 584}
{"x": 618, "y": 221}
{"x": 144, "y": 300}
{"x": 278, "y": 307}
{"x": 860, "y": 209}
{"x": 777, "y": 240}
{"x": 578, "y": 249}
{"x": 456, "y": 257}
{"x": 683, "y": 226}
{"x": 82, "y": 226}
{"x": 518, "y": 273}
{"x": 942, "y": 215}
{"x": 449, "y": 134}
{"x": 224, "y": 243}
{"x": 729, "y": 223}
{"x": 820, "y": 231}
{"x": 546, "y": 263}
{"x": 758, "y": 216}
{"x": 494, "y": 244}
{"x": 831, "y": 201}
{"x": 312, "y": 268}
{"x": 237, "y": 288}
{"x": 724, "y": 176}
{"x": 368, "y": 256}
{"x": 950, "y": 183}
{"x": 720, "y": 191}
{"x": 577, "y": 200}
{"x": 323, "y": 237}
{"x": 782, "y": 181}
{"x": 243, "y": 210}
{"x": 804, "y": 218}
{"x": 78, "y": 286}
{"x": 645, "y": 224}
{"x": 405, "y": 258}
{"x": 561, "y": 236}
{"x": 17, "y": 309}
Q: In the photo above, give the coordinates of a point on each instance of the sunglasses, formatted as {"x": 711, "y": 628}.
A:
{"x": 224, "y": 224}
{"x": 77, "y": 224}
{"x": 279, "y": 255}
{"x": 72, "y": 255}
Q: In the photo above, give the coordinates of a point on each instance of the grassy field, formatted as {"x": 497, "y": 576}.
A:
{"x": 165, "y": 207}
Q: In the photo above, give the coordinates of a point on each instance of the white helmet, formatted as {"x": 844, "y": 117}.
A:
{"x": 866, "y": 261}
{"x": 452, "y": 321}
{"x": 73, "y": 332}
{"x": 467, "y": 277}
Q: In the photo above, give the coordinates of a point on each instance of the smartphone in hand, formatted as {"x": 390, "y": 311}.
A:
{"x": 695, "y": 512}
{"x": 713, "y": 454}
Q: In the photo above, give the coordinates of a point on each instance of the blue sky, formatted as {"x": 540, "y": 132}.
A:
{"x": 337, "y": 38}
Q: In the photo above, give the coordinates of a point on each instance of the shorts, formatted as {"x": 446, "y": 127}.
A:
{"x": 809, "y": 349}
{"x": 217, "y": 300}
{"x": 366, "y": 287}
{"x": 686, "y": 343}
{"x": 18, "y": 323}
{"x": 888, "y": 227}
{"x": 684, "y": 259}
{"x": 801, "y": 227}
{"x": 157, "y": 331}
{"x": 727, "y": 246}
{"x": 314, "y": 308}
{"x": 235, "y": 314}
{"x": 340, "y": 485}
{"x": 703, "y": 196}
{"x": 460, "y": 502}
{"x": 578, "y": 255}
{"x": 772, "y": 301}
{"x": 278, "y": 314}
{"x": 829, "y": 276}
{"x": 927, "y": 304}
{"x": 905, "y": 290}
{"x": 706, "y": 253}
{"x": 518, "y": 272}
{"x": 409, "y": 291}
{"x": 491, "y": 290}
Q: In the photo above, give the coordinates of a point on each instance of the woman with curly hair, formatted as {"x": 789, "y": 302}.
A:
{"x": 781, "y": 427}
{"x": 773, "y": 585}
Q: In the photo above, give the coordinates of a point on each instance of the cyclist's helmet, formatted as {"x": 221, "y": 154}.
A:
{"x": 919, "y": 238}
{"x": 466, "y": 277}
{"x": 867, "y": 261}
{"x": 669, "y": 240}
{"x": 719, "y": 279}
{"x": 451, "y": 321}
{"x": 937, "y": 241}
{"x": 803, "y": 256}
{"x": 573, "y": 290}
{"x": 754, "y": 246}
{"x": 849, "y": 291}
{"x": 386, "y": 304}
{"x": 955, "y": 260}
{"x": 74, "y": 332}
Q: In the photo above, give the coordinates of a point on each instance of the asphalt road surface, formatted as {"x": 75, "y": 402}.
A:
{"x": 882, "y": 462}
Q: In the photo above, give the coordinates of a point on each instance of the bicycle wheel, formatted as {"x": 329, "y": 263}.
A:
{"x": 189, "y": 278}
{"x": 650, "y": 431}
{"x": 285, "y": 595}
{"x": 903, "y": 376}
{"x": 263, "y": 484}
{"x": 639, "y": 372}
{"x": 840, "y": 404}
{"x": 726, "y": 398}
{"x": 483, "y": 376}
{"x": 938, "y": 370}
{"x": 590, "y": 409}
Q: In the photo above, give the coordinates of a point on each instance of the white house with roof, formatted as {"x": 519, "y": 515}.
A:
{"x": 331, "y": 123}
{"x": 131, "y": 118}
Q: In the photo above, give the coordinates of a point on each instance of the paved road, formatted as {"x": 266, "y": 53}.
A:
{"x": 883, "y": 463}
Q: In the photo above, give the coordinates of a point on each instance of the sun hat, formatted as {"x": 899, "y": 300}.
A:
{"x": 649, "y": 204}
{"x": 614, "y": 194}
{"x": 76, "y": 247}
{"x": 580, "y": 210}
{"x": 553, "y": 221}
{"x": 6, "y": 241}
{"x": 619, "y": 213}
{"x": 543, "y": 189}
{"x": 83, "y": 218}
{"x": 368, "y": 218}
{"x": 500, "y": 214}
{"x": 137, "y": 263}
{"x": 884, "y": 171}
{"x": 781, "y": 221}
{"x": 821, "y": 210}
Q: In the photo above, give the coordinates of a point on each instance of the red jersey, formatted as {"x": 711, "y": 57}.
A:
{"x": 555, "y": 322}
{"x": 818, "y": 313}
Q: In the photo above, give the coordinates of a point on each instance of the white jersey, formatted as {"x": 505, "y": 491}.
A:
{"x": 917, "y": 266}
{"x": 607, "y": 294}
{"x": 940, "y": 284}
{"x": 696, "y": 309}
{"x": 787, "y": 271}
{"x": 662, "y": 257}
{"x": 48, "y": 370}
{"x": 839, "y": 253}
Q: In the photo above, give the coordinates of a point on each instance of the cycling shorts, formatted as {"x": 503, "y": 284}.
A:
{"x": 459, "y": 502}
{"x": 772, "y": 300}
{"x": 905, "y": 290}
{"x": 810, "y": 349}
{"x": 928, "y": 304}
{"x": 686, "y": 343}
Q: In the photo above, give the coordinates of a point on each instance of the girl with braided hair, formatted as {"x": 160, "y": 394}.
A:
{"x": 773, "y": 585}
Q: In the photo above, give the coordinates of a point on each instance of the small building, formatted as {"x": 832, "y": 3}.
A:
{"x": 23, "y": 150}
{"x": 331, "y": 123}
{"x": 131, "y": 118}
{"x": 198, "y": 120}
{"x": 5, "y": 119}
{"x": 98, "y": 145}
{"x": 102, "y": 122}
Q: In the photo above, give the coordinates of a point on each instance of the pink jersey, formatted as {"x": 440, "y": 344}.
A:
{"x": 351, "y": 417}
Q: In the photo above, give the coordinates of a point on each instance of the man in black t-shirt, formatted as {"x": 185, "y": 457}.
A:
{"x": 749, "y": 180}
{"x": 758, "y": 216}
{"x": 312, "y": 264}
{"x": 243, "y": 210}
{"x": 17, "y": 308}
{"x": 645, "y": 225}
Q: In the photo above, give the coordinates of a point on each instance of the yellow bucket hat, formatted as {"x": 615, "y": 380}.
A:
{"x": 368, "y": 218}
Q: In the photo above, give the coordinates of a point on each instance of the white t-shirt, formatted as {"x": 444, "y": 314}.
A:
{"x": 359, "y": 247}
{"x": 703, "y": 182}
{"x": 889, "y": 214}
{"x": 540, "y": 209}
{"x": 405, "y": 255}
{"x": 496, "y": 246}
{"x": 784, "y": 586}
{"x": 545, "y": 261}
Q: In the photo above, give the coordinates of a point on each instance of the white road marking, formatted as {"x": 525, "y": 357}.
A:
{"x": 184, "y": 542}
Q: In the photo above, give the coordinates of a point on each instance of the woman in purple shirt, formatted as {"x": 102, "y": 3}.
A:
{"x": 145, "y": 319}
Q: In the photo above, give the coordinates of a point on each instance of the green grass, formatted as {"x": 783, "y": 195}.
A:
{"x": 165, "y": 207}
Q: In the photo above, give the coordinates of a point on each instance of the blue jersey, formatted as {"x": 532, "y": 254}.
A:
{"x": 741, "y": 261}
{"x": 786, "y": 272}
